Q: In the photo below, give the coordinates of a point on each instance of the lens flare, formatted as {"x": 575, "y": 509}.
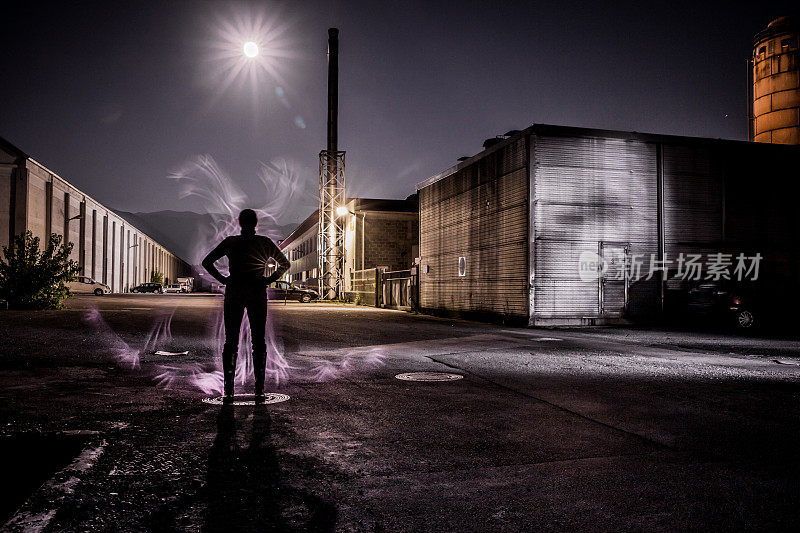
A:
{"x": 247, "y": 52}
{"x": 250, "y": 49}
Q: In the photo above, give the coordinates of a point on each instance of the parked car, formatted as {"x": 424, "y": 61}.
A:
{"x": 281, "y": 290}
{"x": 736, "y": 304}
{"x": 175, "y": 287}
{"x": 149, "y": 287}
{"x": 86, "y": 285}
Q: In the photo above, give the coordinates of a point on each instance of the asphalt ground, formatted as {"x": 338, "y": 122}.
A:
{"x": 549, "y": 429}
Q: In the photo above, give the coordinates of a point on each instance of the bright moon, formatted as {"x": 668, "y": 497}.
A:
{"x": 250, "y": 49}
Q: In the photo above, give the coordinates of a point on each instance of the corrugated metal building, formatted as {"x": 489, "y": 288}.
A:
{"x": 107, "y": 247}
{"x": 507, "y": 231}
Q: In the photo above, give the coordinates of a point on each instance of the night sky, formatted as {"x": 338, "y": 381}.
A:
{"x": 116, "y": 96}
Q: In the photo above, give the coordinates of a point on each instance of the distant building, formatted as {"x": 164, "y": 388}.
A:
{"x": 382, "y": 234}
{"x": 561, "y": 225}
{"x": 107, "y": 248}
{"x": 378, "y": 233}
{"x": 300, "y": 247}
{"x": 776, "y": 82}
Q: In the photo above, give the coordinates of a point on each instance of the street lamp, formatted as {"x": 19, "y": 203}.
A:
{"x": 342, "y": 211}
{"x": 126, "y": 260}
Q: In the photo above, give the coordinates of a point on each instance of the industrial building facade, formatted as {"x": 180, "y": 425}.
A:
{"x": 378, "y": 233}
{"x": 560, "y": 225}
{"x": 107, "y": 248}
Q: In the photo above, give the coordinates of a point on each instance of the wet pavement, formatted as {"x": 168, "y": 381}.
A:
{"x": 595, "y": 429}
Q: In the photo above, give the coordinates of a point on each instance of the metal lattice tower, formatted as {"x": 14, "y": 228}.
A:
{"x": 331, "y": 229}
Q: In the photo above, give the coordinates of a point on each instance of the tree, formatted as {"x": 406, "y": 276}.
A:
{"x": 30, "y": 279}
{"x": 156, "y": 277}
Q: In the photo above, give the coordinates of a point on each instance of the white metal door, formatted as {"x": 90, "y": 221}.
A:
{"x": 613, "y": 290}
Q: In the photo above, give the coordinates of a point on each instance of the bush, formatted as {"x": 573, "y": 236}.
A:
{"x": 156, "y": 277}
{"x": 30, "y": 279}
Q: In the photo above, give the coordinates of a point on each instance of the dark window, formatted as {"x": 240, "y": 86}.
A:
{"x": 786, "y": 43}
{"x": 762, "y": 50}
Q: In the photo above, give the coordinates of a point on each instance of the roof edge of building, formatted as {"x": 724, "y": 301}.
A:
{"x": 313, "y": 218}
{"x": 576, "y": 131}
{"x": 304, "y": 226}
{"x": 6, "y": 144}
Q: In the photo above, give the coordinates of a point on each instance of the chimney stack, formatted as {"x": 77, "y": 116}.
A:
{"x": 333, "y": 89}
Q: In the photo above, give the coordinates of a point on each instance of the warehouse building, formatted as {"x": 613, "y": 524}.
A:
{"x": 562, "y": 225}
{"x": 107, "y": 248}
{"x": 378, "y": 233}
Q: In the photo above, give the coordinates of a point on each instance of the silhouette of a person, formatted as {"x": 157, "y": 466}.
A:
{"x": 245, "y": 288}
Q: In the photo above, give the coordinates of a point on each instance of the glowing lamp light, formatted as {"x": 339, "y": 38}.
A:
{"x": 250, "y": 49}
{"x": 341, "y": 211}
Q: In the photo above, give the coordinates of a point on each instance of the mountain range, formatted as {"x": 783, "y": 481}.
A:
{"x": 184, "y": 233}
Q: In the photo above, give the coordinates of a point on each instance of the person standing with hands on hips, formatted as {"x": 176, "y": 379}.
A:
{"x": 246, "y": 288}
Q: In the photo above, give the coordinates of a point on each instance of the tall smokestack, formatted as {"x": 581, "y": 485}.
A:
{"x": 333, "y": 89}
{"x": 331, "y": 186}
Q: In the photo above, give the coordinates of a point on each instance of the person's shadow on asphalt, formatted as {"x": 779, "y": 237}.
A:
{"x": 244, "y": 486}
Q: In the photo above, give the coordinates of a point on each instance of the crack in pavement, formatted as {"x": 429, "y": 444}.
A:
{"x": 556, "y": 406}
{"x": 509, "y": 465}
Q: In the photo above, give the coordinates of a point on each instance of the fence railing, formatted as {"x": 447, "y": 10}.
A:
{"x": 396, "y": 289}
{"x": 364, "y": 286}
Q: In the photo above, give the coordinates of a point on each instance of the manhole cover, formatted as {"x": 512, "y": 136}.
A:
{"x": 428, "y": 376}
{"x": 249, "y": 399}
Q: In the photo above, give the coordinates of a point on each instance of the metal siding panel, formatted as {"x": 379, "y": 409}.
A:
{"x": 733, "y": 199}
{"x": 760, "y": 216}
{"x": 480, "y": 213}
{"x": 596, "y": 223}
{"x": 559, "y": 291}
{"x": 589, "y": 190}
{"x": 693, "y": 196}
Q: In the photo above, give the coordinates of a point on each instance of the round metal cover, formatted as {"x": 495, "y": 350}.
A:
{"x": 429, "y": 376}
{"x": 249, "y": 399}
